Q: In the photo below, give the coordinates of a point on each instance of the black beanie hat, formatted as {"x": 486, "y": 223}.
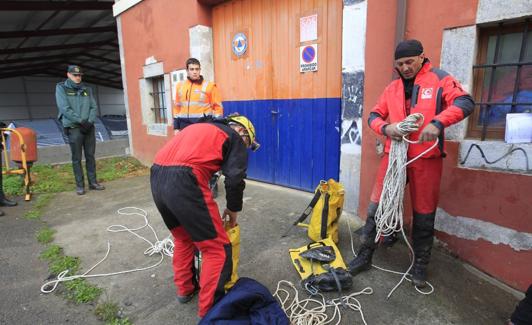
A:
{"x": 411, "y": 47}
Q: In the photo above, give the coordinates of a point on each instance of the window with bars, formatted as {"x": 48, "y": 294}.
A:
{"x": 159, "y": 100}
{"x": 502, "y": 78}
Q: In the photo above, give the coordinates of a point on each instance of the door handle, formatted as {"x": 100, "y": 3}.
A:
{"x": 274, "y": 112}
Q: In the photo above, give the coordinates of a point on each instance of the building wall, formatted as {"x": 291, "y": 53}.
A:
{"x": 34, "y": 98}
{"x": 483, "y": 215}
{"x": 155, "y": 31}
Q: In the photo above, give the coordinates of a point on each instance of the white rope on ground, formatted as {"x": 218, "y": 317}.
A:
{"x": 313, "y": 311}
{"x": 163, "y": 247}
{"x": 389, "y": 215}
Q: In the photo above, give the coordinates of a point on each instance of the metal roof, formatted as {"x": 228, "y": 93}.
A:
{"x": 42, "y": 37}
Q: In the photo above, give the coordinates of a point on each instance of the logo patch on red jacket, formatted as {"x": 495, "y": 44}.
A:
{"x": 426, "y": 93}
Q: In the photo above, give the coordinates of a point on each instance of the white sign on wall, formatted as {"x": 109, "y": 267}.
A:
{"x": 518, "y": 128}
{"x": 308, "y": 28}
{"x": 308, "y": 58}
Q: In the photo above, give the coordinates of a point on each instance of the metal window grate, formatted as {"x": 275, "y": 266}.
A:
{"x": 505, "y": 76}
{"x": 159, "y": 100}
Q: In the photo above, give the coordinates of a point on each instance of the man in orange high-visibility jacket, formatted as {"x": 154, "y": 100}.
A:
{"x": 196, "y": 98}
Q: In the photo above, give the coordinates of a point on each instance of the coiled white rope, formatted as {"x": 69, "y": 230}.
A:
{"x": 163, "y": 247}
{"x": 389, "y": 215}
{"x": 311, "y": 311}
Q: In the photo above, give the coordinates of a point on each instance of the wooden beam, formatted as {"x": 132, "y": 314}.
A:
{"x": 101, "y": 58}
{"x": 52, "y": 32}
{"x": 42, "y": 58}
{"x": 94, "y": 80}
{"x": 88, "y": 68}
{"x": 11, "y": 68}
{"x": 55, "y": 5}
{"x": 57, "y": 47}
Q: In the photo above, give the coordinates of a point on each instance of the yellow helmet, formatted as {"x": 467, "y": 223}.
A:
{"x": 246, "y": 123}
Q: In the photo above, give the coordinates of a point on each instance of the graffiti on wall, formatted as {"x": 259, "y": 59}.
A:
{"x": 353, "y": 41}
{"x": 352, "y": 103}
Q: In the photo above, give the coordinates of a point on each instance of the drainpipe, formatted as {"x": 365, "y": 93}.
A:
{"x": 400, "y": 21}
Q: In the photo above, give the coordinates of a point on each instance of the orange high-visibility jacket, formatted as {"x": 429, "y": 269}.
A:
{"x": 194, "y": 101}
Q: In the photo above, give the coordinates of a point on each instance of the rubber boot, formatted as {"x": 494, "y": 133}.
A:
{"x": 422, "y": 237}
{"x": 362, "y": 261}
{"x": 389, "y": 241}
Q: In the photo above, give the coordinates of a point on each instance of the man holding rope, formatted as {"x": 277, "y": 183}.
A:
{"x": 442, "y": 101}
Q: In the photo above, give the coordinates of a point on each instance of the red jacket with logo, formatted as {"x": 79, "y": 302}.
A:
{"x": 435, "y": 94}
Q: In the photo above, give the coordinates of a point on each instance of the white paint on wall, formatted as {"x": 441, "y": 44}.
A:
{"x": 124, "y": 82}
{"x": 201, "y": 48}
{"x": 495, "y": 10}
{"x": 353, "y": 60}
{"x": 122, "y": 5}
{"x": 354, "y": 37}
{"x": 474, "y": 229}
{"x": 457, "y": 57}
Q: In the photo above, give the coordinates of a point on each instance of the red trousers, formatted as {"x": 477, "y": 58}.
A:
{"x": 185, "y": 202}
{"x": 424, "y": 176}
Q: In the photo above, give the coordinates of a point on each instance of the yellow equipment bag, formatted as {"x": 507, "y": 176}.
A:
{"x": 234, "y": 238}
{"x": 306, "y": 268}
{"x": 326, "y": 207}
{"x": 323, "y": 269}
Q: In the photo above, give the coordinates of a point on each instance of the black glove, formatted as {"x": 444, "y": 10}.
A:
{"x": 86, "y": 125}
{"x": 2, "y": 125}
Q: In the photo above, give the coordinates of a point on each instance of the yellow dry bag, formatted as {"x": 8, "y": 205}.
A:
{"x": 326, "y": 207}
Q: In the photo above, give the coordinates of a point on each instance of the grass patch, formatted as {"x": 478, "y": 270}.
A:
{"x": 80, "y": 291}
{"x": 107, "y": 311}
{"x": 62, "y": 263}
{"x": 119, "y": 321}
{"x": 51, "y": 253}
{"x": 59, "y": 178}
{"x": 45, "y": 235}
{"x": 40, "y": 204}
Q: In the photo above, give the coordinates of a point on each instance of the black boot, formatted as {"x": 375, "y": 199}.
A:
{"x": 422, "y": 237}
{"x": 362, "y": 261}
{"x": 390, "y": 240}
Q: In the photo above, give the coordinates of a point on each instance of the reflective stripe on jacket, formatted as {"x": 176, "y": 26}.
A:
{"x": 436, "y": 94}
{"x": 194, "y": 100}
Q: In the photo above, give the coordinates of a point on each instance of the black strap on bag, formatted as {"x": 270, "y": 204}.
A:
{"x": 305, "y": 213}
{"x": 324, "y": 217}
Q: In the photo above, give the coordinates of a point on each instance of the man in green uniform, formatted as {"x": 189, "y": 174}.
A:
{"x": 77, "y": 113}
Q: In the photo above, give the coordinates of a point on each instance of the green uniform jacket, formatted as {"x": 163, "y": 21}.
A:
{"x": 75, "y": 104}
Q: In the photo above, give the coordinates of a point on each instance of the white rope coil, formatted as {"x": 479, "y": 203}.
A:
{"x": 163, "y": 247}
{"x": 314, "y": 311}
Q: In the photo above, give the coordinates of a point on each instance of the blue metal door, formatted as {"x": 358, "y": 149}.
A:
{"x": 300, "y": 140}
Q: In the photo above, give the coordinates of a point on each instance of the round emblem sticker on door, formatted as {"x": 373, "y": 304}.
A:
{"x": 239, "y": 44}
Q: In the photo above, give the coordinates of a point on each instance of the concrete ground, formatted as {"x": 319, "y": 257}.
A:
{"x": 148, "y": 297}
